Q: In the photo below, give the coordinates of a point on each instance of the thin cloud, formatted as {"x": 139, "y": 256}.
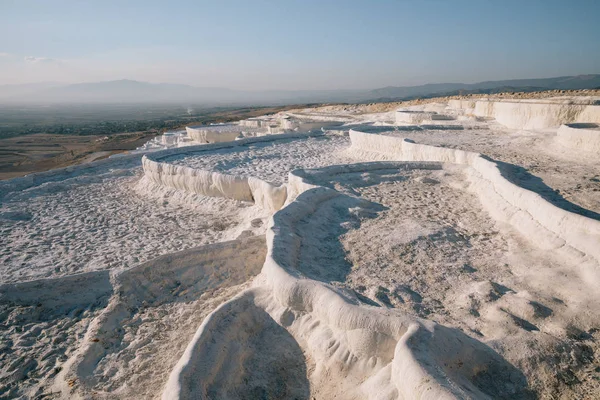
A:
{"x": 4, "y": 54}
{"x": 35, "y": 60}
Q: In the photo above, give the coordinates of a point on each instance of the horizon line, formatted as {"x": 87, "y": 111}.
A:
{"x": 286, "y": 90}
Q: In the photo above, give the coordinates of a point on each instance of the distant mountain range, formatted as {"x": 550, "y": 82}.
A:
{"x": 129, "y": 91}
{"x": 526, "y": 85}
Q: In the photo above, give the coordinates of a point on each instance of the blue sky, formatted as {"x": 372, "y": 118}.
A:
{"x": 306, "y": 44}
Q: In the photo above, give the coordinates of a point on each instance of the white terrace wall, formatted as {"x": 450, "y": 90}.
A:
{"x": 582, "y": 137}
{"x": 412, "y": 117}
{"x": 542, "y": 222}
{"x": 467, "y": 105}
{"x": 417, "y": 351}
{"x": 366, "y": 333}
{"x": 216, "y": 184}
{"x": 537, "y": 114}
{"x": 253, "y": 123}
{"x": 313, "y": 311}
{"x": 213, "y": 134}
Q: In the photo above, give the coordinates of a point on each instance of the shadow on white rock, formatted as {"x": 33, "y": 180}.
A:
{"x": 178, "y": 278}
{"x": 240, "y": 352}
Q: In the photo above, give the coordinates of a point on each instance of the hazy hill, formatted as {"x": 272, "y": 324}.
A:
{"x": 20, "y": 90}
{"x": 129, "y": 91}
{"x": 563, "y": 82}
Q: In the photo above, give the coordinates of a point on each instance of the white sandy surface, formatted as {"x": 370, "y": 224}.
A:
{"x": 271, "y": 161}
{"x": 537, "y": 161}
{"x": 425, "y": 246}
{"x": 63, "y": 228}
{"x": 388, "y": 282}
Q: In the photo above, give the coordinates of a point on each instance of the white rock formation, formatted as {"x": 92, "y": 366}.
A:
{"x": 580, "y": 136}
{"x": 213, "y": 133}
{"x": 404, "y": 116}
{"x": 527, "y": 211}
{"x": 179, "y": 277}
{"x": 208, "y": 183}
{"x": 532, "y": 114}
{"x": 287, "y": 335}
{"x": 252, "y": 122}
{"x": 368, "y": 352}
{"x": 442, "y": 117}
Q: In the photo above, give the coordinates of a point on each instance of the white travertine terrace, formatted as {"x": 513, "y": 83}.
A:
{"x": 546, "y": 224}
{"x": 252, "y": 122}
{"x": 532, "y": 114}
{"x": 280, "y": 321}
{"x": 413, "y": 117}
{"x": 278, "y": 123}
{"x": 216, "y": 184}
{"x": 373, "y": 346}
{"x": 400, "y": 353}
{"x": 580, "y": 136}
{"x": 442, "y": 117}
{"x": 187, "y": 273}
{"x": 213, "y": 133}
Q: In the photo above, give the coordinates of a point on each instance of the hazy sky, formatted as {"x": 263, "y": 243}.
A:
{"x": 309, "y": 44}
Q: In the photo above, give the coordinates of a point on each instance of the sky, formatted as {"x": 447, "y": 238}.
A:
{"x": 285, "y": 44}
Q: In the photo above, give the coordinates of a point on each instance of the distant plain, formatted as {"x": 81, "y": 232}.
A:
{"x": 37, "y": 138}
